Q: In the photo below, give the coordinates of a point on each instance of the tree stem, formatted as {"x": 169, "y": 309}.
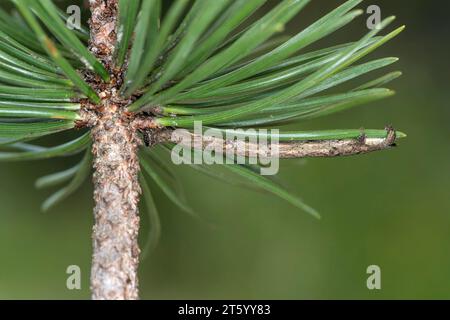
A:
{"x": 115, "y": 256}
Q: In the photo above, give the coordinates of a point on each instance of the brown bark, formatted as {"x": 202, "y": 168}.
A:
{"x": 286, "y": 150}
{"x": 115, "y": 248}
{"x": 103, "y": 28}
{"x": 115, "y": 256}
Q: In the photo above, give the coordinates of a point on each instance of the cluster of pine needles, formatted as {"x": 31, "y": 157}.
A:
{"x": 225, "y": 63}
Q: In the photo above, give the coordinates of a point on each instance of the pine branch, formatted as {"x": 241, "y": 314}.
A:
{"x": 151, "y": 71}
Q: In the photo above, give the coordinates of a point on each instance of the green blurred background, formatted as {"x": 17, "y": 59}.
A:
{"x": 390, "y": 209}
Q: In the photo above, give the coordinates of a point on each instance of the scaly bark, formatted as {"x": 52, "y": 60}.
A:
{"x": 115, "y": 256}
{"x": 284, "y": 150}
{"x": 116, "y": 252}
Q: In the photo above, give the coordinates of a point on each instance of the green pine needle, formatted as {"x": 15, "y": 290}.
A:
{"x": 221, "y": 62}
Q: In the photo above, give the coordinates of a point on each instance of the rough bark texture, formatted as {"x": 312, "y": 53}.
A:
{"x": 103, "y": 28}
{"x": 115, "y": 247}
{"x": 116, "y": 251}
{"x": 286, "y": 150}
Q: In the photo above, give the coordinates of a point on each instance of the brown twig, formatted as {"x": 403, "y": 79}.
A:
{"x": 297, "y": 149}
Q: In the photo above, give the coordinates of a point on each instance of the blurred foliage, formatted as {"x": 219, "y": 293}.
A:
{"x": 390, "y": 208}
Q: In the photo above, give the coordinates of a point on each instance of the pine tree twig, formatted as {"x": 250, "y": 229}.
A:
{"x": 284, "y": 150}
